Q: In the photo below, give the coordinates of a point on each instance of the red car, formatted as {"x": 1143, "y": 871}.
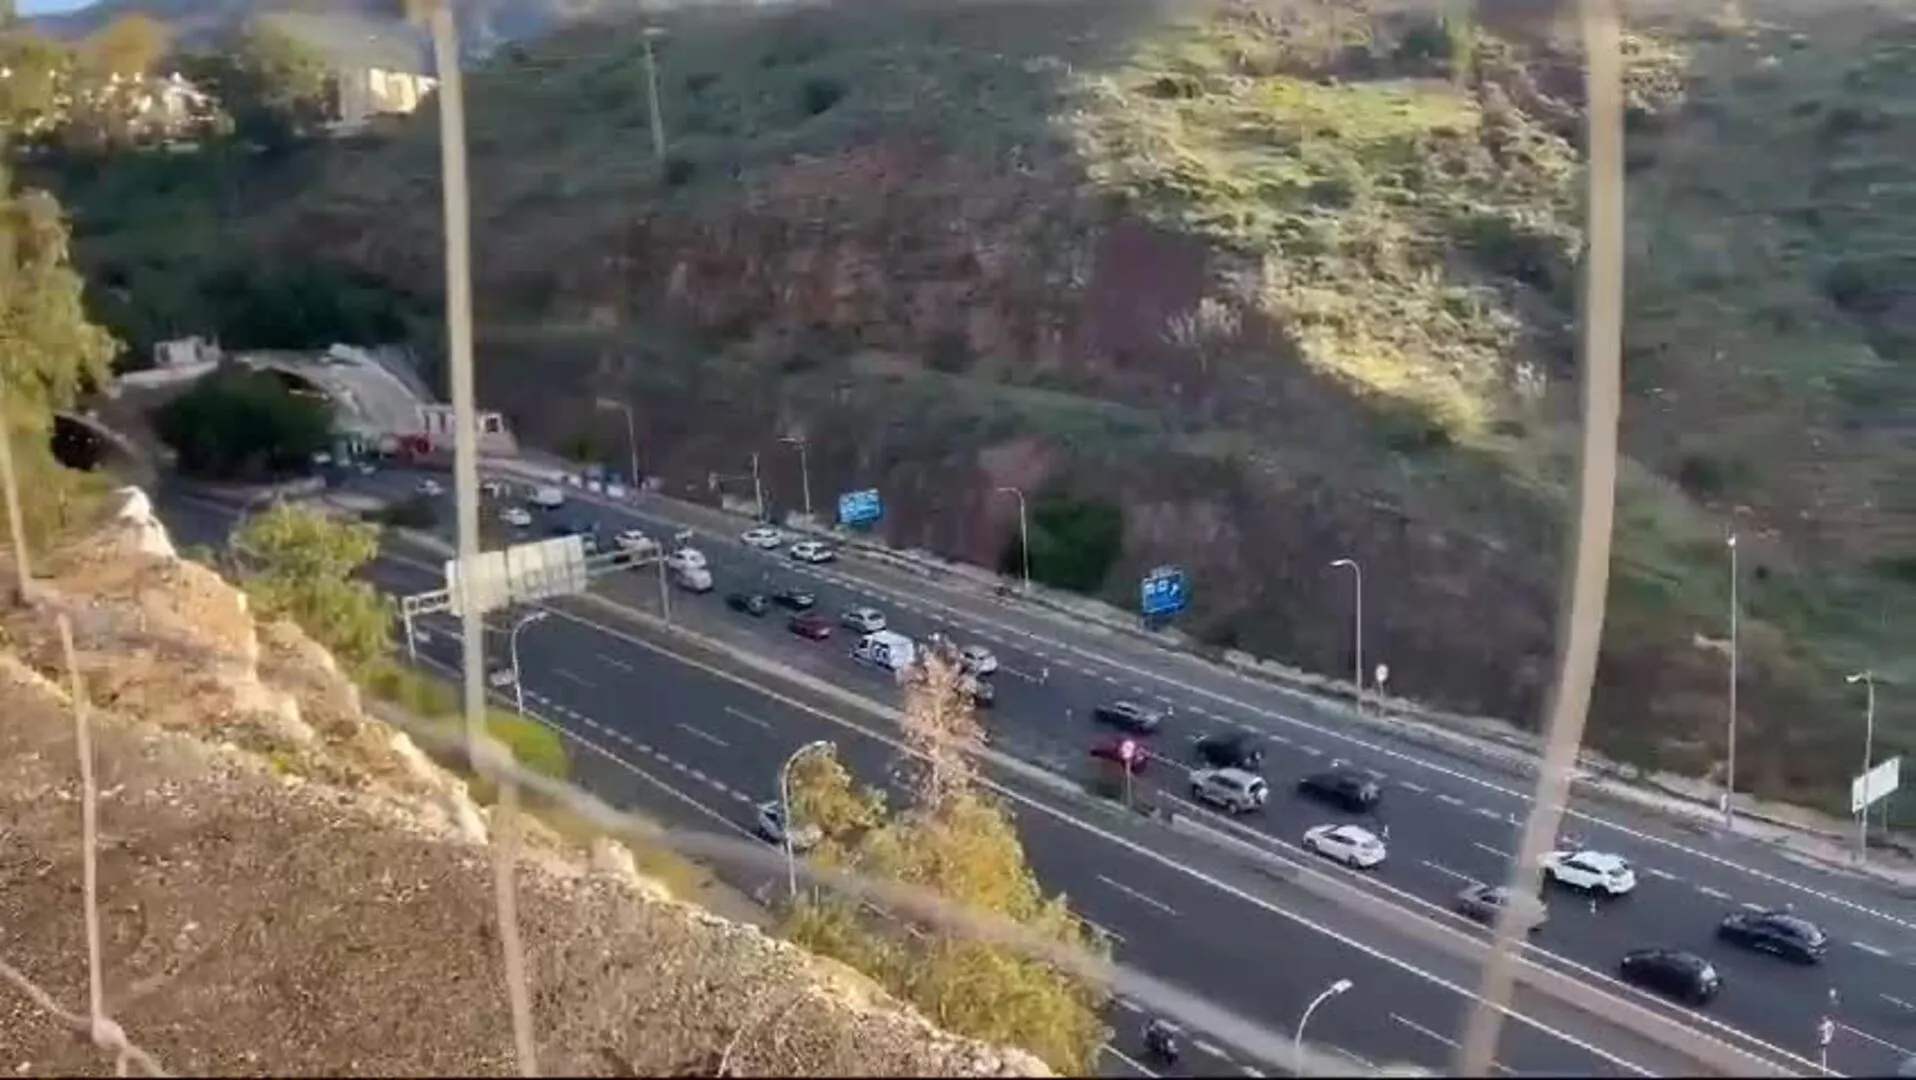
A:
{"x": 811, "y": 625}
{"x": 1112, "y": 750}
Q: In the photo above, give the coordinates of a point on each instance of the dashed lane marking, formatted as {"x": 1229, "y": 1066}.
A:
{"x": 1899, "y": 1003}
{"x": 1460, "y": 876}
{"x": 1655, "y": 873}
{"x": 1408, "y": 786}
{"x": 1873, "y": 950}
{"x": 1747, "y": 906}
{"x": 571, "y": 678}
{"x": 1901, "y": 1051}
{"x": 701, "y": 733}
{"x": 740, "y": 714}
{"x": 1450, "y": 800}
{"x": 1485, "y": 811}
{"x": 1708, "y": 891}
{"x": 1499, "y": 853}
{"x": 616, "y": 662}
{"x": 1138, "y": 896}
{"x": 1210, "y": 1048}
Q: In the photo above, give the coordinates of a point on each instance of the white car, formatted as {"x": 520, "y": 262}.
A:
{"x": 1591, "y": 871}
{"x": 1352, "y": 845}
{"x": 771, "y": 826}
{"x": 813, "y": 551}
{"x": 686, "y": 558}
{"x": 501, "y": 678}
{"x": 978, "y": 660}
{"x": 516, "y": 516}
{"x": 1232, "y": 790}
{"x": 635, "y": 541}
{"x": 764, "y": 537}
{"x": 864, "y": 620}
{"x": 429, "y": 486}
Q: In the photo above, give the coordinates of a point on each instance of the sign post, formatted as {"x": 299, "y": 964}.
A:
{"x": 1127, "y": 753}
{"x": 1825, "y": 1034}
{"x": 1867, "y": 790}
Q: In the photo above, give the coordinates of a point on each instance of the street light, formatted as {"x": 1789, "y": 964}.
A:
{"x": 804, "y": 472}
{"x": 758, "y": 489}
{"x": 1729, "y": 768}
{"x": 606, "y": 404}
{"x": 1868, "y": 679}
{"x": 786, "y": 824}
{"x": 1024, "y": 533}
{"x": 651, "y": 34}
{"x": 1357, "y": 631}
{"x": 512, "y": 647}
{"x": 1297, "y": 1044}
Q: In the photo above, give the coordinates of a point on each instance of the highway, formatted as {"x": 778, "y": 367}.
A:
{"x": 1041, "y": 718}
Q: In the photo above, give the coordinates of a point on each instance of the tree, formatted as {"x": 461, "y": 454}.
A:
{"x": 49, "y": 353}
{"x": 131, "y": 45}
{"x": 274, "y": 88}
{"x": 957, "y": 840}
{"x": 38, "y": 69}
{"x": 298, "y": 564}
{"x": 241, "y": 423}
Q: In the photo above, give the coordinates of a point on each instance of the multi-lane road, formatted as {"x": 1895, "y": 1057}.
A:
{"x": 1450, "y": 821}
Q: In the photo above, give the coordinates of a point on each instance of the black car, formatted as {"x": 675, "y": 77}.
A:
{"x": 1347, "y": 789}
{"x": 1128, "y": 716}
{"x": 1231, "y": 750}
{"x": 1777, "y": 932}
{"x": 1683, "y": 976}
{"x": 795, "y": 599}
{"x": 753, "y": 604}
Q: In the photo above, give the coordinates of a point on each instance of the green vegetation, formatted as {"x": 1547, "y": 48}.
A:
{"x": 1075, "y": 543}
{"x": 238, "y": 423}
{"x": 273, "y": 89}
{"x": 956, "y": 840}
{"x": 299, "y": 564}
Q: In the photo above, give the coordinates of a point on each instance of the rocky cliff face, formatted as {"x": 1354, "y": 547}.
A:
{"x": 288, "y": 886}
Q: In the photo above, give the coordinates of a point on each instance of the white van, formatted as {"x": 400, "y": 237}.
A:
{"x": 548, "y": 498}
{"x": 886, "y": 648}
{"x": 692, "y": 578}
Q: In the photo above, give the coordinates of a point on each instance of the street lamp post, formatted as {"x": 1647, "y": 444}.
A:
{"x": 606, "y": 404}
{"x": 1024, "y": 534}
{"x": 512, "y": 648}
{"x": 1357, "y": 631}
{"x": 786, "y": 824}
{"x": 804, "y": 472}
{"x": 1868, "y": 679}
{"x": 1729, "y": 767}
{"x": 758, "y": 489}
{"x": 652, "y": 94}
{"x": 1297, "y": 1044}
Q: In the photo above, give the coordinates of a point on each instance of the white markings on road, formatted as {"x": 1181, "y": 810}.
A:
{"x": 615, "y": 662}
{"x": 1007, "y": 669}
{"x": 1718, "y": 893}
{"x": 1129, "y": 1061}
{"x": 1408, "y": 786}
{"x": 1138, "y": 896}
{"x": 1899, "y": 1003}
{"x": 1873, "y": 950}
{"x": 1902, "y": 1051}
{"x": 1747, "y": 906}
{"x": 1655, "y": 873}
{"x": 1460, "y": 876}
{"x": 1108, "y": 933}
{"x": 701, "y": 733}
{"x": 740, "y": 714}
{"x": 1450, "y": 800}
{"x": 1491, "y": 850}
{"x": 1485, "y": 811}
{"x": 1311, "y": 750}
{"x": 1210, "y": 1048}
{"x": 570, "y": 677}
{"x": 1425, "y": 1032}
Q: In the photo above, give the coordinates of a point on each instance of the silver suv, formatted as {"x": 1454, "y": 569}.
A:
{"x": 1232, "y": 790}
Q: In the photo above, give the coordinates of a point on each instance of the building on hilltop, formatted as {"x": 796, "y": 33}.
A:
{"x": 362, "y": 95}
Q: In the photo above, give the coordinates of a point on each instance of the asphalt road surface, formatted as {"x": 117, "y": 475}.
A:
{"x": 1445, "y": 823}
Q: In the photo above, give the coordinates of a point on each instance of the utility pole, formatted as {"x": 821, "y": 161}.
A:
{"x": 652, "y": 94}
{"x": 804, "y": 472}
{"x": 16, "y": 520}
{"x": 1868, "y": 679}
{"x": 758, "y": 489}
{"x": 1729, "y": 767}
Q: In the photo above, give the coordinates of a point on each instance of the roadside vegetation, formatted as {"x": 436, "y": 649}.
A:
{"x": 240, "y": 424}
{"x": 951, "y": 836}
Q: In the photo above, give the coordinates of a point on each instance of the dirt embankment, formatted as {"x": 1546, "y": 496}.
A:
{"x": 289, "y": 887}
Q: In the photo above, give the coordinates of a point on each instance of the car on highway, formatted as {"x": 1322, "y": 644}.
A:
{"x": 864, "y": 620}
{"x": 763, "y": 537}
{"x": 1674, "y": 973}
{"x": 547, "y": 498}
{"x": 696, "y": 579}
{"x": 493, "y": 489}
{"x": 1484, "y": 903}
{"x": 753, "y": 604}
{"x": 686, "y": 558}
{"x": 1111, "y": 749}
{"x": 1779, "y": 933}
{"x": 771, "y": 827}
{"x": 635, "y": 541}
{"x": 978, "y": 660}
{"x": 1352, "y": 845}
{"x": 794, "y": 599}
{"x": 587, "y": 533}
{"x": 516, "y": 516}
{"x": 1128, "y": 716}
{"x": 812, "y": 551}
{"x": 1232, "y": 790}
{"x": 1345, "y": 788}
{"x": 810, "y": 625}
{"x": 429, "y": 486}
{"x": 1230, "y": 750}
{"x": 1590, "y": 871}
{"x": 501, "y": 678}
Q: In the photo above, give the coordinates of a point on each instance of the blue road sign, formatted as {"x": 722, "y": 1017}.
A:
{"x": 1162, "y": 593}
{"x": 858, "y": 509}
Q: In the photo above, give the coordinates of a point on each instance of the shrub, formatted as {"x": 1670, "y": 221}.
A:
{"x": 240, "y": 423}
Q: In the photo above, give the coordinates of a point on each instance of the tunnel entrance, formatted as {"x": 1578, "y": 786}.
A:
{"x": 78, "y": 446}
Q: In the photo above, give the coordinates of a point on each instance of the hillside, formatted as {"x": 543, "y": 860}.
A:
{"x": 288, "y": 887}
{"x": 1245, "y": 286}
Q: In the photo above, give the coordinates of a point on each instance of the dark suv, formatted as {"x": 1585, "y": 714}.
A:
{"x": 1128, "y": 716}
{"x": 1776, "y": 932}
{"x": 754, "y": 604}
{"x": 1347, "y": 789}
{"x": 1231, "y": 750}
{"x": 1684, "y": 976}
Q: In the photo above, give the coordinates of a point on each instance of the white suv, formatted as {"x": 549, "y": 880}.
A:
{"x": 1352, "y": 845}
{"x": 685, "y": 559}
{"x": 763, "y": 537}
{"x": 1232, "y": 790}
{"x": 812, "y": 551}
{"x": 1591, "y": 871}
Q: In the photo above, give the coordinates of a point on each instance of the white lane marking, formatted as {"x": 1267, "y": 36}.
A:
{"x": 1016, "y": 674}
{"x": 1447, "y": 870}
{"x": 1491, "y": 850}
{"x": 1250, "y": 1070}
{"x": 1747, "y": 906}
{"x": 1708, "y": 891}
{"x": 1103, "y": 930}
{"x": 701, "y": 733}
{"x": 1899, "y": 1003}
{"x": 1882, "y": 1042}
{"x": 1408, "y": 786}
{"x": 740, "y": 714}
{"x": 1211, "y": 1048}
{"x": 1655, "y": 873}
{"x": 1138, "y": 896}
{"x": 570, "y": 677}
{"x": 615, "y": 662}
{"x": 1485, "y": 811}
{"x": 1450, "y": 800}
{"x": 1873, "y": 950}
{"x": 1425, "y": 1032}
{"x": 1129, "y": 1061}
